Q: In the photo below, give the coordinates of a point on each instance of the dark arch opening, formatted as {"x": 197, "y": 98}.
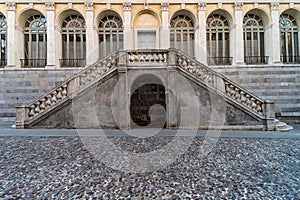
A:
{"x": 148, "y": 103}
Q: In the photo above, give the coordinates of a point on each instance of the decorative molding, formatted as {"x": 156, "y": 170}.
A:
{"x": 126, "y": 6}
{"x": 49, "y": 6}
{"x": 274, "y": 6}
{"x": 220, "y": 5}
{"x": 182, "y": 5}
{"x": 70, "y": 5}
{"x": 30, "y": 5}
{"x": 256, "y": 5}
{"x": 11, "y": 6}
{"x": 201, "y": 6}
{"x": 89, "y": 6}
{"x": 108, "y": 6}
{"x": 238, "y": 6}
{"x": 165, "y": 6}
{"x": 291, "y": 5}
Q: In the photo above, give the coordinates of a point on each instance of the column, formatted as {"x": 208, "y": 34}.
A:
{"x": 239, "y": 40}
{"x": 51, "y": 47}
{"x": 11, "y": 46}
{"x": 90, "y": 48}
{"x": 275, "y": 37}
{"x": 165, "y": 31}
{"x": 128, "y": 40}
{"x": 200, "y": 35}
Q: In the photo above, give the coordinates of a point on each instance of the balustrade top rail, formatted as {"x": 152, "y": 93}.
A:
{"x": 108, "y": 64}
{"x": 220, "y": 60}
{"x": 73, "y": 62}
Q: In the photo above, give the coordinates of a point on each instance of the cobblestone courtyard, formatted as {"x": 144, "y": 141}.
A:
{"x": 236, "y": 168}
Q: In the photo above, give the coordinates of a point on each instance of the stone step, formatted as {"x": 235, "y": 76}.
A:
{"x": 281, "y": 126}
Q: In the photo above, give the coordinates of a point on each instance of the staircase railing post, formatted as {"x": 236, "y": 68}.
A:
{"x": 123, "y": 96}
{"x": 171, "y": 95}
{"x": 269, "y": 115}
{"x": 20, "y": 116}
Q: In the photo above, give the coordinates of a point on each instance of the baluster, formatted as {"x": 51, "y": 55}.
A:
{"x": 43, "y": 106}
{"x": 232, "y": 91}
{"x": 248, "y": 101}
{"x": 59, "y": 95}
{"x": 258, "y": 107}
{"x": 243, "y": 98}
{"x": 237, "y": 94}
{"x": 37, "y": 108}
{"x": 64, "y": 91}
{"x": 48, "y": 103}
{"x": 31, "y": 112}
{"x": 253, "y": 104}
{"x": 53, "y": 99}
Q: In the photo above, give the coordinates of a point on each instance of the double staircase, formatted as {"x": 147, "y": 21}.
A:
{"x": 39, "y": 109}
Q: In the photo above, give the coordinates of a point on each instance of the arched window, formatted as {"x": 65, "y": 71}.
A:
{"x": 217, "y": 37}
{"x": 254, "y": 40}
{"x": 3, "y": 29}
{"x": 110, "y": 34}
{"x": 35, "y": 42}
{"x": 289, "y": 39}
{"x": 73, "y": 41}
{"x": 182, "y": 34}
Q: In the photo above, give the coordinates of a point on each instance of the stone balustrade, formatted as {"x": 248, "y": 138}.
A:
{"x": 231, "y": 89}
{"x": 147, "y": 56}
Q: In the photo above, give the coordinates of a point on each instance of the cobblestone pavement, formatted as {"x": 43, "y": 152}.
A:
{"x": 236, "y": 168}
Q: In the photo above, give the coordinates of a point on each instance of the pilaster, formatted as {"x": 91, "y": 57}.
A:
{"x": 51, "y": 47}
{"x": 11, "y": 33}
{"x": 275, "y": 44}
{"x": 90, "y": 39}
{"x": 165, "y": 31}
{"x": 239, "y": 40}
{"x": 200, "y": 38}
{"x": 128, "y": 36}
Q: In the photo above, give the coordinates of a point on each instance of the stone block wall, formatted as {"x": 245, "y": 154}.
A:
{"x": 21, "y": 86}
{"x": 278, "y": 83}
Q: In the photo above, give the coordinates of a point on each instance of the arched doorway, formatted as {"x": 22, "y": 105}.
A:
{"x": 148, "y": 103}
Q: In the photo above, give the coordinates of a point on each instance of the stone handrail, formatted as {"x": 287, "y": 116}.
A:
{"x": 65, "y": 90}
{"x": 215, "y": 80}
{"x": 147, "y": 56}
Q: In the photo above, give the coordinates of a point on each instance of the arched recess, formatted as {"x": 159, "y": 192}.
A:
{"x": 32, "y": 34}
{"x": 72, "y": 39}
{"x": 289, "y": 23}
{"x": 3, "y": 36}
{"x": 256, "y": 30}
{"x": 146, "y": 25}
{"x": 148, "y": 102}
{"x": 110, "y": 32}
{"x": 219, "y": 37}
{"x": 182, "y": 31}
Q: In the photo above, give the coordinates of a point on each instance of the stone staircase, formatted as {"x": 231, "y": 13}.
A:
{"x": 27, "y": 116}
{"x": 282, "y": 126}
{"x": 278, "y": 83}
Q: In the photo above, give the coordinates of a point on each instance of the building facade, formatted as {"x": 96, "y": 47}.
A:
{"x": 60, "y": 34}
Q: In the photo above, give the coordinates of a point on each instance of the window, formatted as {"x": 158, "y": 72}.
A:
{"x": 35, "y": 42}
{"x": 73, "y": 41}
{"x": 182, "y": 34}
{"x": 217, "y": 36}
{"x": 254, "y": 40}
{"x": 289, "y": 39}
{"x": 110, "y": 34}
{"x": 3, "y": 30}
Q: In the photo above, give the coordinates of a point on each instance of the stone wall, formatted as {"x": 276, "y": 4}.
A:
{"x": 19, "y": 87}
{"x": 278, "y": 83}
